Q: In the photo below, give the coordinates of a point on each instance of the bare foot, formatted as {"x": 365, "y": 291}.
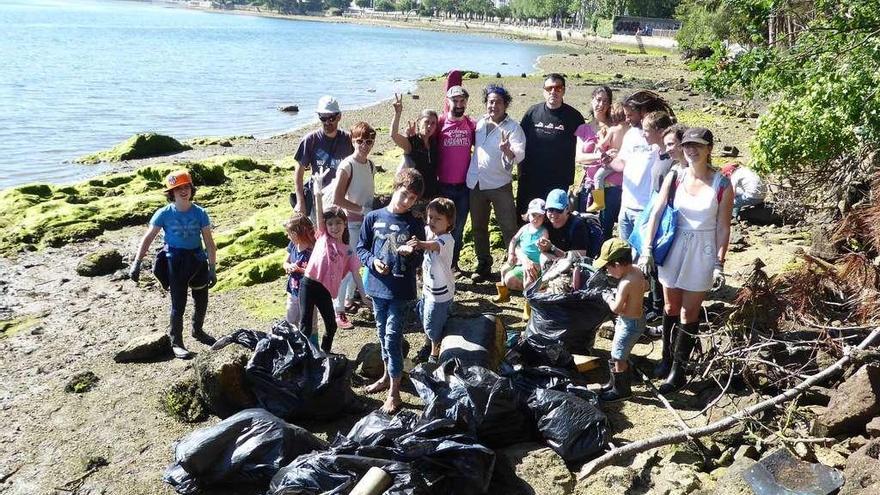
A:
{"x": 378, "y": 386}
{"x": 392, "y": 404}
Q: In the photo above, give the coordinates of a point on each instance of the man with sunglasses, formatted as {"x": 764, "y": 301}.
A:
{"x": 321, "y": 151}
{"x": 550, "y": 145}
{"x": 567, "y": 232}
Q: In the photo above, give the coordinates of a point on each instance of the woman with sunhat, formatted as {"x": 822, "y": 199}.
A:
{"x": 695, "y": 261}
{"x": 190, "y": 265}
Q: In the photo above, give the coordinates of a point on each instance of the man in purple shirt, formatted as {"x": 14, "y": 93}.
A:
{"x": 454, "y": 142}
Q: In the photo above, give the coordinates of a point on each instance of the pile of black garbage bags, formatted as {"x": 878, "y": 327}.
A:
{"x": 469, "y": 410}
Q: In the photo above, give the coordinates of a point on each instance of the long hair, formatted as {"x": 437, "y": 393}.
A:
{"x": 337, "y": 212}
{"x": 648, "y": 101}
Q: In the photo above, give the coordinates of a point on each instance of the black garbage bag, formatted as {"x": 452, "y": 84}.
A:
{"x": 475, "y": 341}
{"x": 292, "y": 378}
{"x": 332, "y": 472}
{"x": 431, "y": 459}
{"x": 476, "y": 399}
{"x": 525, "y": 381}
{"x": 248, "y": 447}
{"x": 571, "y": 318}
{"x": 537, "y": 350}
{"x": 571, "y": 426}
{"x": 381, "y": 429}
{"x": 242, "y": 336}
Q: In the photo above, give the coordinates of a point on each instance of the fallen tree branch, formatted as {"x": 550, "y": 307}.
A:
{"x": 727, "y": 422}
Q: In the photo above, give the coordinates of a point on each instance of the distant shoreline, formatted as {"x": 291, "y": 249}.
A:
{"x": 542, "y": 35}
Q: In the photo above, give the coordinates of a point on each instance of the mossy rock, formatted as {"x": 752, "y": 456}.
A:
{"x": 221, "y": 380}
{"x": 251, "y": 272}
{"x": 256, "y": 243}
{"x": 81, "y": 383}
{"x": 103, "y": 262}
{"x": 182, "y": 402}
{"x": 145, "y": 145}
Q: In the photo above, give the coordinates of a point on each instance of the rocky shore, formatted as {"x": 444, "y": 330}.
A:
{"x": 116, "y": 436}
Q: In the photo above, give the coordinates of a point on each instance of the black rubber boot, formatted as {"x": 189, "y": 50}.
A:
{"x": 327, "y": 343}
{"x": 176, "y": 337}
{"x": 610, "y": 384}
{"x": 670, "y": 328}
{"x": 620, "y": 390}
{"x": 684, "y": 344}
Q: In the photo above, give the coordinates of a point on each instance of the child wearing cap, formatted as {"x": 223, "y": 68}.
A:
{"x": 626, "y": 302}
{"x": 523, "y": 255}
{"x": 190, "y": 265}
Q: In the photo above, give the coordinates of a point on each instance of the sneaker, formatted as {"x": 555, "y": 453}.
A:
{"x": 343, "y": 322}
{"x": 433, "y": 359}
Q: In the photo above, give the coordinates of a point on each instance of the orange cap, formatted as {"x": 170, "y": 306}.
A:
{"x": 177, "y": 179}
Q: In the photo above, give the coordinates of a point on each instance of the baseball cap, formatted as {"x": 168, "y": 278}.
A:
{"x": 327, "y": 104}
{"x": 177, "y": 179}
{"x": 454, "y": 91}
{"x": 536, "y": 206}
{"x": 557, "y": 199}
{"x": 612, "y": 250}
{"x": 699, "y": 135}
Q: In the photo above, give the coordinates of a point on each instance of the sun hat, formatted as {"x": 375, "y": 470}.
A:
{"x": 612, "y": 250}
{"x": 557, "y": 199}
{"x": 177, "y": 179}
{"x": 454, "y": 91}
{"x": 536, "y": 206}
{"x": 328, "y": 104}
{"x": 699, "y": 135}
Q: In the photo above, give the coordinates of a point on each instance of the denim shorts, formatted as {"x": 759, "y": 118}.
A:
{"x": 434, "y": 315}
{"x": 626, "y": 333}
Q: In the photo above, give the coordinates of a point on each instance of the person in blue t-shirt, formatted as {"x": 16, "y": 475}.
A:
{"x": 189, "y": 266}
{"x": 391, "y": 263}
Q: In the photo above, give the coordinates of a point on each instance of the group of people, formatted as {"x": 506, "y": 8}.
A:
{"x": 635, "y": 158}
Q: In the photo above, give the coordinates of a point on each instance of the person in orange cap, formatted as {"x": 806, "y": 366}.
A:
{"x": 187, "y": 264}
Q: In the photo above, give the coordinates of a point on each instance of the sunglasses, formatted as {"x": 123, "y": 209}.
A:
{"x": 328, "y": 118}
{"x": 364, "y": 141}
{"x": 551, "y": 89}
{"x": 554, "y": 210}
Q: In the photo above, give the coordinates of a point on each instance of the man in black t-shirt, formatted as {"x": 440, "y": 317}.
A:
{"x": 550, "y": 145}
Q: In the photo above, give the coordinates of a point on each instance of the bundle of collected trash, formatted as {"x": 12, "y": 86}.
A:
{"x": 469, "y": 410}
{"x": 569, "y": 316}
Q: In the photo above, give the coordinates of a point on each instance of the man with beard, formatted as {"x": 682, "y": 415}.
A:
{"x": 321, "y": 151}
{"x": 454, "y": 142}
{"x": 550, "y": 150}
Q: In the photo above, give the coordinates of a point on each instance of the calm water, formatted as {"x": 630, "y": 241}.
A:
{"x": 78, "y": 75}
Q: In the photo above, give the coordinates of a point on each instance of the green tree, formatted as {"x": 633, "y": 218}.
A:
{"x": 337, "y": 4}
{"x": 384, "y": 5}
{"x": 363, "y": 3}
{"x": 820, "y": 65}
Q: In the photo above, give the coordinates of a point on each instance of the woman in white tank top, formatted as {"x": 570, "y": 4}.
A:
{"x": 704, "y": 200}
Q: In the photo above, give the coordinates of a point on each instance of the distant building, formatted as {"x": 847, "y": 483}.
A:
{"x": 645, "y": 26}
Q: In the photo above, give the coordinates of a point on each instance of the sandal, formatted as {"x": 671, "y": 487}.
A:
{"x": 352, "y": 307}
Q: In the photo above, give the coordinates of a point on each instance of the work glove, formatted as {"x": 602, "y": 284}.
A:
{"x": 646, "y": 263}
{"x": 212, "y": 276}
{"x": 134, "y": 273}
{"x": 717, "y": 278}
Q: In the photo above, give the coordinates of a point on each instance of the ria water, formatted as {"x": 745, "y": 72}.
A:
{"x": 83, "y": 75}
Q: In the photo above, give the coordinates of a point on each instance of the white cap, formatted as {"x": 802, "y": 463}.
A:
{"x": 328, "y": 104}
{"x": 536, "y": 206}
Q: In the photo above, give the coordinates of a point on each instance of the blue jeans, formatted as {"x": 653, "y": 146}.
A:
{"x": 609, "y": 215}
{"x": 434, "y": 315}
{"x": 461, "y": 196}
{"x": 626, "y": 222}
{"x": 389, "y": 327}
{"x": 626, "y": 333}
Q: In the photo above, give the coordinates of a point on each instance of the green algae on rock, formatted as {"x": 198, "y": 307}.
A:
{"x": 81, "y": 382}
{"x": 144, "y": 145}
{"x": 102, "y": 262}
{"x": 183, "y": 402}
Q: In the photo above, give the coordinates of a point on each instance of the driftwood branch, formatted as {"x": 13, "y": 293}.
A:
{"x": 727, "y": 422}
